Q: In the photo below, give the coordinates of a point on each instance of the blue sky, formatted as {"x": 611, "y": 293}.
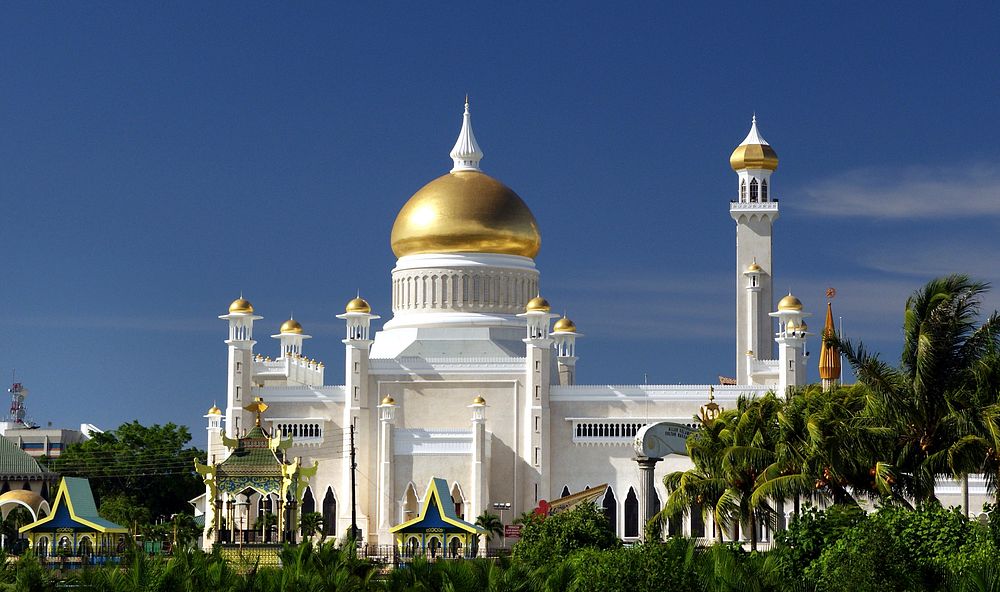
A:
{"x": 156, "y": 160}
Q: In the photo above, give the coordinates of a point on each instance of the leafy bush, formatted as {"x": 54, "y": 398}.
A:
{"x": 652, "y": 567}
{"x": 556, "y": 537}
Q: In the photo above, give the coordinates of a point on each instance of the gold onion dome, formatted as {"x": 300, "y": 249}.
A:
{"x": 754, "y": 152}
{"x": 465, "y": 212}
{"x": 358, "y": 304}
{"x": 388, "y": 400}
{"x": 241, "y": 305}
{"x": 564, "y": 325}
{"x": 291, "y": 326}
{"x": 479, "y": 400}
{"x": 789, "y": 303}
{"x": 538, "y": 304}
{"x": 754, "y": 267}
{"x": 214, "y": 410}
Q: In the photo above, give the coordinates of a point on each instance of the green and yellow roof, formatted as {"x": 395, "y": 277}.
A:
{"x": 74, "y": 509}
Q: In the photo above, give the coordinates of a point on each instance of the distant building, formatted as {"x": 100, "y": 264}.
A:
{"x": 20, "y": 471}
{"x": 37, "y": 441}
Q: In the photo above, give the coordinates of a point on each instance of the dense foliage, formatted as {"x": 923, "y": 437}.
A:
{"x": 140, "y": 475}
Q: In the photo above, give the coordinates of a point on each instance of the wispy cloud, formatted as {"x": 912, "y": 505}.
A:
{"x": 908, "y": 193}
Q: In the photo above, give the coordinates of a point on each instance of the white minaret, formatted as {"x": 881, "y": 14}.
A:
{"x": 564, "y": 335}
{"x": 538, "y": 360}
{"x": 241, "y": 364}
{"x": 754, "y": 211}
{"x": 480, "y": 494}
{"x": 291, "y": 337}
{"x": 386, "y": 505}
{"x": 357, "y": 346}
{"x": 791, "y": 340}
{"x": 466, "y": 152}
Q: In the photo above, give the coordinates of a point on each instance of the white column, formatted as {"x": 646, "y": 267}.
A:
{"x": 386, "y": 499}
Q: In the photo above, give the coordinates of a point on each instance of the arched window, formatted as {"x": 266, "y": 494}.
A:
{"x": 308, "y": 503}
{"x": 697, "y": 521}
{"x": 631, "y": 514}
{"x": 409, "y": 503}
{"x": 459, "y": 500}
{"x": 565, "y": 491}
{"x": 610, "y": 507}
{"x": 329, "y": 513}
{"x": 763, "y": 190}
{"x": 743, "y": 190}
{"x": 753, "y": 190}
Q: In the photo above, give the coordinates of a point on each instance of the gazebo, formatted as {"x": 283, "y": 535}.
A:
{"x": 256, "y": 463}
{"x": 437, "y": 530}
{"x": 73, "y": 527}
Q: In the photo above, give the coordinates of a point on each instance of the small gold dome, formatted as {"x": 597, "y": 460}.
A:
{"x": 564, "y": 325}
{"x": 241, "y": 305}
{"x": 789, "y": 303}
{"x": 538, "y": 304}
{"x": 291, "y": 326}
{"x": 465, "y": 212}
{"x": 214, "y": 410}
{"x": 388, "y": 400}
{"x": 358, "y": 304}
{"x": 754, "y": 156}
{"x": 754, "y": 267}
{"x": 479, "y": 400}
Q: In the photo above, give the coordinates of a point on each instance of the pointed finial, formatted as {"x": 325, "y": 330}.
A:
{"x": 466, "y": 154}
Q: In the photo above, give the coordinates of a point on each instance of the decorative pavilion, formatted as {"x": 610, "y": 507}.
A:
{"x": 256, "y": 463}
{"x": 73, "y": 527}
{"x": 437, "y": 530}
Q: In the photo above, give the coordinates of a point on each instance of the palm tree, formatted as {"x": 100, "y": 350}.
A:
{"x": 312, "y": 523}
{"x": 932, "y": 401}
{"x": 491, "y": 523}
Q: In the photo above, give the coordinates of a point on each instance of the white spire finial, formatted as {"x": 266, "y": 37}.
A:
{"x": 466, "y": 152}
{"x": 754, "y": 136}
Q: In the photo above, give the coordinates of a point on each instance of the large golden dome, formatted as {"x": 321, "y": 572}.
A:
{"x": 465, "y": 212}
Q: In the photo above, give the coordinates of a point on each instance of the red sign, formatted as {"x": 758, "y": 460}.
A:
{"x": 512, "y": 531}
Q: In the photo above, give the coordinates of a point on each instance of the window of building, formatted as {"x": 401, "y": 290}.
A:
{"x": 610, "y": 508}
{"x": 763, "y": 190}
{"x": 538, "y": 391}
{"x": 538, "y": 424}
{"x": 753, "y": 191}
{"x": 631, "y": 514}
{"x": 538, "y": 456}
{"x": 565, "y": 491}
{"x": 329, "y": 513}
{"x": 743, "y": 190}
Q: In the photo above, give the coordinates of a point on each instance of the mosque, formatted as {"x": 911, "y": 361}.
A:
{"x": 472, "y": 379}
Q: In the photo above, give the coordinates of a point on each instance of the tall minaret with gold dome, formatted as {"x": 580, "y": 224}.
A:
{"x": 754, "y": 210}
{"x": 241, "y": 363}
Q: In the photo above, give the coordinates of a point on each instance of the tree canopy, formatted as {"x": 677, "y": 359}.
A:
{"x": 137, "y": 473}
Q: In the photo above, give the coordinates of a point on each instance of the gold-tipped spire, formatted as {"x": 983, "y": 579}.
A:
{"x": 257, "y": 407}
{"x": 829, "y": 355}
{"x": 710, "y": 411}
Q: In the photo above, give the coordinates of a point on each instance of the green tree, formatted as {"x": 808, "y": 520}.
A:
{"x": 943, "y": 418}
{"x": 145, "y": 467}
{"x": 312, "y": 523}
{"x": 490, "y": 523}
{"x": 556, "y": 536}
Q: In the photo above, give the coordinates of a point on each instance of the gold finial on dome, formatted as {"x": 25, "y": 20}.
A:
{"x": 479, "y": 400}
{"x": 564, "y": 325}
{"x": 789, "y": 303}
{"x": 241, "y": 305}
{"x": 754, "y": 152}
{"x": 358, "y": 304}
{"x": 538, "y": 304}
{"x": 388, "y": 400}
{"x": 291, "y": 326}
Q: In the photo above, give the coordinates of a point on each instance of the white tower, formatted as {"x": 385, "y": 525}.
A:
{"x": 291, "y": 336}
{"x": 564, "y": 334}
{"x": 241, "y": 363}
{"x": 791, "y": 340}
{"x": 480, "y": 493}
{"x": 538, "y": 358}
{"x": 386, "y": 492}
{"x": 754, "y": 211}
{"x": 357, "y": 346}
